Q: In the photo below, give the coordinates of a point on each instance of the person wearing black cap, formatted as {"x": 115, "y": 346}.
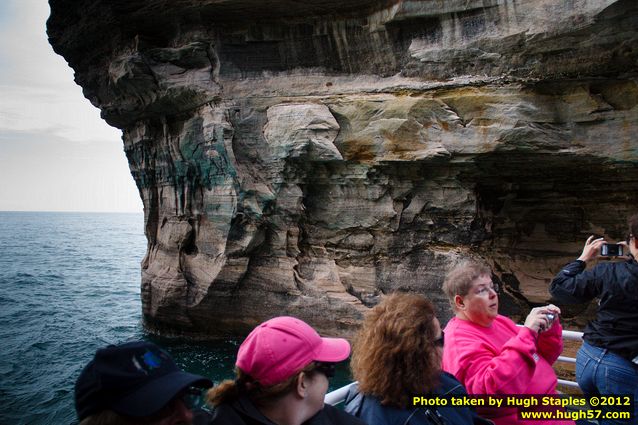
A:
{"x": 134, "y": 383}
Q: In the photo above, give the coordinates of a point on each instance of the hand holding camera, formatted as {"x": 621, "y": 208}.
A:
{"x": 541, "y": 319}
{"x": 599, "y": 247}
{"x": 591, "y": 249}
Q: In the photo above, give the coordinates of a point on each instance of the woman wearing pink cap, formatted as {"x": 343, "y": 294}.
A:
{"x": 283, "y": 368}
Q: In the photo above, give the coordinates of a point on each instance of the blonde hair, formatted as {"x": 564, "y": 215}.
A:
{"x": 394, "y": 356}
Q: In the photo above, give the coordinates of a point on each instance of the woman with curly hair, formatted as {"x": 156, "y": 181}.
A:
{"x": 396, "y": 356}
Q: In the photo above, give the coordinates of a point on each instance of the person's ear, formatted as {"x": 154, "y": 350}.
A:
{"x": 459, "y": 303}
{"x": 301, "y": 386}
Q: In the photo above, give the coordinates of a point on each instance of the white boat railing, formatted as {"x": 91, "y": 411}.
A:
{"x": 339, "y": 395}
{"x": 572, "y": 336}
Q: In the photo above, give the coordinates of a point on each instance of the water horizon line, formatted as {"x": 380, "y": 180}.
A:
{"x": 71, "y": 211}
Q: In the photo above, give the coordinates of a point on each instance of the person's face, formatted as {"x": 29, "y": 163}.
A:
{"x": 317, "y": 388}
{"x": 480, "y": 305}
{"x": 175, "y": 413}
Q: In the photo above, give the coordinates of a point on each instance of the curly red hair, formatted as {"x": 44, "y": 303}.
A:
{"x": 394, "y": 356}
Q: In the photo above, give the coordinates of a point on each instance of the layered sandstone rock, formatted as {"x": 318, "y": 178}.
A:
{"x": 304, "y": 158}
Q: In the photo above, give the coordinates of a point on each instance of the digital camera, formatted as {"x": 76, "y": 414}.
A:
{"x": 611, "y": 250}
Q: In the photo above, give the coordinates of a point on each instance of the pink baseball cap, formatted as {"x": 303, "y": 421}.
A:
{"x": 280, "y": 347}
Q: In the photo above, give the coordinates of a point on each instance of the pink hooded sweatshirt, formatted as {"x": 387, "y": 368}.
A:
{"x": 503, "y": 359}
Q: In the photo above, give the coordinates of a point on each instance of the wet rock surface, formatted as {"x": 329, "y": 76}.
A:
{"x": 305, "y": 158}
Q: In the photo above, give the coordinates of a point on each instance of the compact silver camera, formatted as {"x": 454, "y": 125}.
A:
{"x": 550, "y": 318}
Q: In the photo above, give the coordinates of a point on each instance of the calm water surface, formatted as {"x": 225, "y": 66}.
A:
{"x": 69, "y": 284}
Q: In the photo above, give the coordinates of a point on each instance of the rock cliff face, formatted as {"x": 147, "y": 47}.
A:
{"x": 305, "y": 157}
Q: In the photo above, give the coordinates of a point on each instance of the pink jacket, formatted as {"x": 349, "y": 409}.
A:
{"x": 503, "y": 359}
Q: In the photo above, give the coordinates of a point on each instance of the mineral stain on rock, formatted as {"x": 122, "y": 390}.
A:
{"x": 304, "y": 158}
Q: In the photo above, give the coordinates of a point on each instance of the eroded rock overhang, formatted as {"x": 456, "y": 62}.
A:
{"x": 304, "y": 158}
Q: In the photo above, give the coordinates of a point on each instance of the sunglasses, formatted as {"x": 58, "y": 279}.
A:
{"x": 327, "y": 369}
{"x": 440, "y": 340}
{"x": 191, "y": 398}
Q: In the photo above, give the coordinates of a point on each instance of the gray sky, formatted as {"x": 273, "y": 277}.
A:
{"x": 56, "y": 154}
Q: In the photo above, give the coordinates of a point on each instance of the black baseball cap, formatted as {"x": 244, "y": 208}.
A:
{"x": 133, "y": 379}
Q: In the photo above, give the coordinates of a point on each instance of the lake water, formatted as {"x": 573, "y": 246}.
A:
{"x": 69, "y": 284}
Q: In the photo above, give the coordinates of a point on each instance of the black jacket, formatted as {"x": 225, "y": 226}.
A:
{"x": 616, "y": 286}
{"x": 243, "y": 412}
{"x": 373, "y": 412}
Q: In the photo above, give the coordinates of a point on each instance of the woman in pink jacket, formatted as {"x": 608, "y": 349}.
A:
{"x": 489, "y": 354}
